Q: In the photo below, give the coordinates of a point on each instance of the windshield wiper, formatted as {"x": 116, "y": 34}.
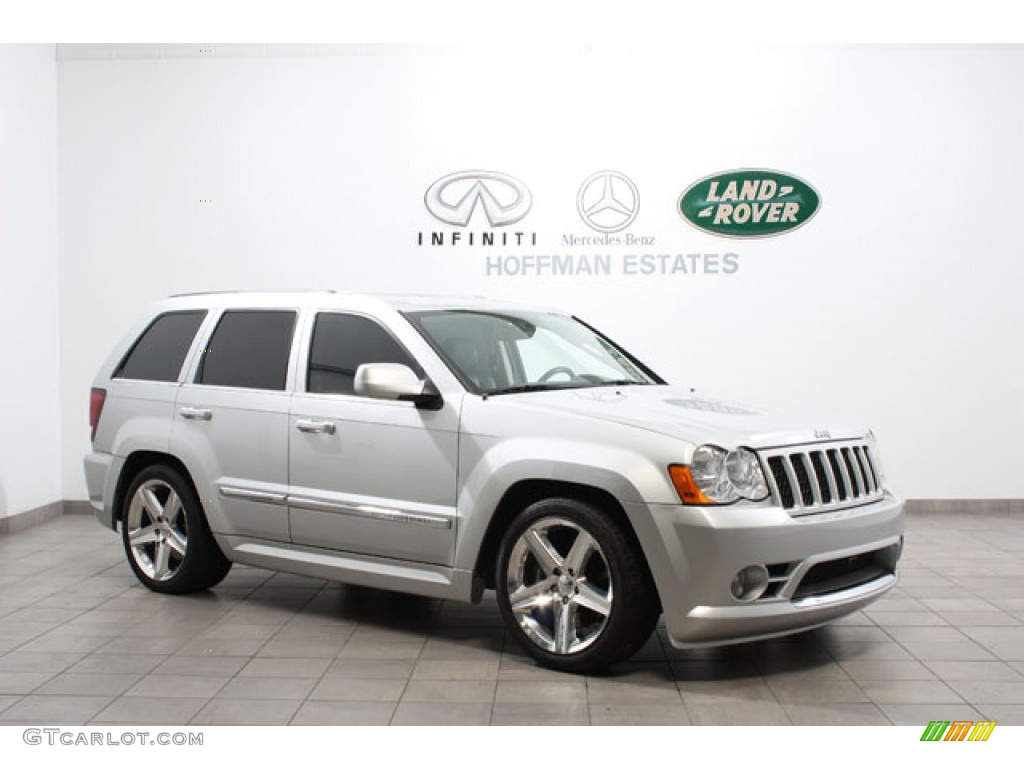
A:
{"x": 530, "y": 388}
{"x": 619, "y": 383}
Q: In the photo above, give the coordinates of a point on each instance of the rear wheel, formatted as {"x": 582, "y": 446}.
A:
{"x": 166, "y": 536}
{"x": 574, "y": 587}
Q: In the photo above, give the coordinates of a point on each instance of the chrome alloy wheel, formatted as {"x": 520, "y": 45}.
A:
{"x": 157, "y": 530}
{"x": 559, "y": 586}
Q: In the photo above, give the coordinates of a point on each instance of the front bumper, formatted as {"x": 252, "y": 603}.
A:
{"x": 697, "y": 551}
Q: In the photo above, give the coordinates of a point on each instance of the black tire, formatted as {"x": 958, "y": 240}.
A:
{"x": 575, "y": 612}
{"x": 168, "y": 544}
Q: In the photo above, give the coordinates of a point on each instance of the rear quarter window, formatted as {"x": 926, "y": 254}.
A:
{"x": 160, "y": 351}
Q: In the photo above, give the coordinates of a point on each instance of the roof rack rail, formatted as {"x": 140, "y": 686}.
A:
{"x": 254, "y": 290}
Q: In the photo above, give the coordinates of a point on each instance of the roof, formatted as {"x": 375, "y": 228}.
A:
{"x": 330, "y": 298}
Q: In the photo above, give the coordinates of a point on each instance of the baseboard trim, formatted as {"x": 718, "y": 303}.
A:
{"x": 30, "y": 517}
{"x": 965, "y": 506}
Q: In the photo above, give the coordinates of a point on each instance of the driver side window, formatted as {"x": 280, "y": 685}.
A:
{"x": 343, "y": 342}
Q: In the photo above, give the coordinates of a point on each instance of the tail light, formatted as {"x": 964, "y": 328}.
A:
{"x": 96, "y": 400}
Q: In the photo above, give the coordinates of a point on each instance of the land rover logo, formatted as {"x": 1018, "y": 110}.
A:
{"x": 454, "y": 198}
{"x": 749, "y": 203}
{"x": 608, "y": 201}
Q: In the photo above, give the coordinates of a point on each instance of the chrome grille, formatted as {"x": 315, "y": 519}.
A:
{"x": 808, "y": 479}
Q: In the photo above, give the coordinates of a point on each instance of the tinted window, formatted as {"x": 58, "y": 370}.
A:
{"x": 160, "y": 351}
{"x": 341, "y": 343}
{"x": 249, "y": 349}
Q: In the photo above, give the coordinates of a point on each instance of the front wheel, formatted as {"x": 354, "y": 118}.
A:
{"x": 574, "y": 587}
{"x": 165, "y": 534}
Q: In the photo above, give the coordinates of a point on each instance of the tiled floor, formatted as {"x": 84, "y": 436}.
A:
{"x": 81, "y": 642}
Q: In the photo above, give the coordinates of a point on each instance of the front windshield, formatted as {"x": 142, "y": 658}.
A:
{"x": 519, "y": 351}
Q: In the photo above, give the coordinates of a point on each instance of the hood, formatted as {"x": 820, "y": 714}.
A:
{"x": 687, "y": 416}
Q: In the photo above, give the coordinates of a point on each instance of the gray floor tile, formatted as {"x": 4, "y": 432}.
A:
{"x": 901, "y": 669}
{"x": 467, "y": 669}
{"x": 957, "y": 651}
{"x": 13, "y": 683}
{"x": 980, "y": 618}
{"x": 910, "y": 692}
{"x": 907, "y": 619}
{"x": 976, "y": 670}
{"x": 450, "y": 691}
{"x": 920, "y": 715}
{"x": 8, "y": 700}
{"x": 31, "y": 661}
{"x": 54, "y": 710}
{"x": 213, "y": 646}
{"x": 58, "y": 642}
{"x": 602, "y": 691}
{"x": 753, "y": 689}
{"x": 642, "y": 714}
{"x": 215, "y": 666}
{"x": 345, "y": 713}
{"x": 358, "y": 689}
{"x": 119, "y": 665}
{"x": 745, "y": 713}
{"x": 394, "y": 649}
{"x": 981, "y": 692}
{"x": 835, "y": 714}
{"x": 247, "y": 712}
{"x": 265, "y": 647}
{"x": 97, "y": 684}
{"x": 442, "y": 712}
{"x": 917, "y": 634}
{"x": 177, "y": 686}
{"x": 1005, "y": 642}
{"x": 519, "y": 692}
{"x": 380, "y": 669}
{"x": 160, "y": 646}
{"x": 1004, "y": 714}
{"x": 285, "y": 668}
{"x": 157, "y": 711}
{"x": 517, "y": 668}
{"x": 540, "y": 713}
{"x": 267, "y": 688}
{"x": 301, "y": 649}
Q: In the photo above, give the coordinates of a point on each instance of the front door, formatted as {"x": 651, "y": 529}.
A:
{"x": 374, "y": 477}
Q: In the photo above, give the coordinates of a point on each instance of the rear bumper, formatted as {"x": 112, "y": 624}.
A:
{"x": 101, "y": 473}
{"x": 700, "y": 550}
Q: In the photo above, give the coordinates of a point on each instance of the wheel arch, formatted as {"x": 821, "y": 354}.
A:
{"x": 135, "y": 463}
{"x": 525, "y": 492}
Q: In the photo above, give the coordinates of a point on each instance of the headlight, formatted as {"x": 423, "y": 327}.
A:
{"x": 717, "y": 476}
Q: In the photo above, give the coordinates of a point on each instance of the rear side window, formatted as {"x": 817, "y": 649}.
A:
{"x": 160, "y": 351}
{"x": 249, "y": 349}
{"x": 341, "y": 343}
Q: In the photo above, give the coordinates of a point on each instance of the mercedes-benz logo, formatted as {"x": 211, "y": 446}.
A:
{"x": 503, "y": 198}
{"x": 608, "y": 201}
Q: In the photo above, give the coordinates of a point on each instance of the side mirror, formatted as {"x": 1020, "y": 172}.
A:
{"x": 394, "y": 381}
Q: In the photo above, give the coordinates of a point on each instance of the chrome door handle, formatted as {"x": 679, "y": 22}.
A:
{"x": 196, "y": 414}
{"x": 318, "y": 427}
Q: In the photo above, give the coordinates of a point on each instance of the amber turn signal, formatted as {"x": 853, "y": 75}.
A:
{"x": 685, "y": 485}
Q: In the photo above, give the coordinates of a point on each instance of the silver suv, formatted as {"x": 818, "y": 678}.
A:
{"x": 447, "y": 446}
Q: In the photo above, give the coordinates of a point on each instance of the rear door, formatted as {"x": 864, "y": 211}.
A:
{"x": 368, "y": 476}
{"x": 231, "y": 423}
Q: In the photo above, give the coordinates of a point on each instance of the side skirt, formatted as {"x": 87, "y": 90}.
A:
{"x": 437, "y": 581}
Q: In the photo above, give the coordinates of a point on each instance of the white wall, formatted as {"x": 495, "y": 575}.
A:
{"x": 896, "y": 306}
{"x": 30, "y": 424}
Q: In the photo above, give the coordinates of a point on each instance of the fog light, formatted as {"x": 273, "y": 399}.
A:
{"x": 750, "y": 583}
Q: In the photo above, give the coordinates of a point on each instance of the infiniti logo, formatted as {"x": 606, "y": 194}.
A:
{"x": 608, "y": 201}
{"x": 454, "y": 198}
